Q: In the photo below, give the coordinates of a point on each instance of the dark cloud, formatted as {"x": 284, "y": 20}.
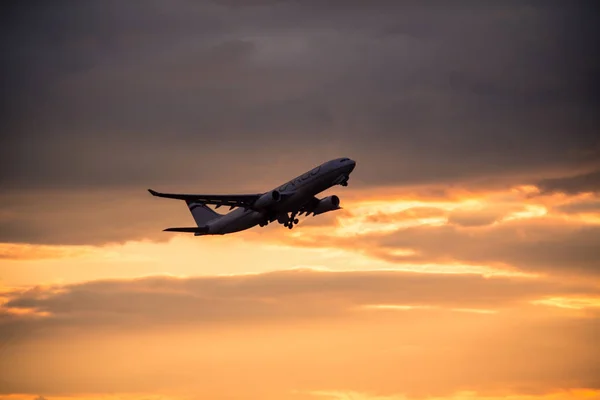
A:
{"x": 107, "y": 94}
{"x": 89, "y": 218}
{"x": 588, "y": 182}
{"x": 535, "y": 246}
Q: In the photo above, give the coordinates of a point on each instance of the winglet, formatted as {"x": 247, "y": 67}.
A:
{"x": 172, "y": 195}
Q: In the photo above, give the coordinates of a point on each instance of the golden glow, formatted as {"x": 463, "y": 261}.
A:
{"x": 530, "y": 211}
{"x": 400, "y": 307}
{"x": 402, "y": 252}
{"x": 188, "y": 256}
{"x": 573, "y": 394}
{"x": 95, "y": 396}
{"x": 363, "y": 219}
{"x": 562, "y": 395}
{"x": 475, "y": 310}
{"x": 403, "y": 307}
{"x": 525, "y": 190}
{"x": 335, "y": 340}
{"x": 583, "y": 218}
{"x": 36, "y": 252}
{"x": 570, "y": 303}
{"x": 26, "y": 311}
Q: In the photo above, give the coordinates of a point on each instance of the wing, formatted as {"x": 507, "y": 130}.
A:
{"x": 231, "y": 200}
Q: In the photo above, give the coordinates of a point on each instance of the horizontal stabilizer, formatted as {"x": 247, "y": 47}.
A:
{"x": 197, "y": 229}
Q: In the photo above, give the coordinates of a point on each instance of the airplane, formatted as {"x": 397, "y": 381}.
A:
{"x": 282, "y": 204}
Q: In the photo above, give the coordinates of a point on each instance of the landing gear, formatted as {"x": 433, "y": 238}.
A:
{"x": 291, "y": 221}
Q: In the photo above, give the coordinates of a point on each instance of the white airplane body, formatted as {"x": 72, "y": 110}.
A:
{"x": 281, "y": 204}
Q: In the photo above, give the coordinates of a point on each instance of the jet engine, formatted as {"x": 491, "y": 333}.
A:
{"x": 268, "y": 199}
{"x": 327, "y": 204}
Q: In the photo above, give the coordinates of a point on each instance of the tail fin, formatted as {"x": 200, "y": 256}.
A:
{"x": 202, "y": 213}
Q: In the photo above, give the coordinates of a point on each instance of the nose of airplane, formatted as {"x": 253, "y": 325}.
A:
{"x": 352, "y": 165}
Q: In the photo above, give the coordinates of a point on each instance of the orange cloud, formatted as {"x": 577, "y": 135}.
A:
{"x": 299, "y": 332}
{"x": 507, "y": 230}
{"x": 336, "y": 299}
{"x": 14, "y": 251}
{"x": 509, "y": 235}
{"x": 277, "y": 295}
{"x": 574, "y": 394}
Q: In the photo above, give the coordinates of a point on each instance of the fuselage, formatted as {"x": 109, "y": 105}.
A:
{"x": 300, "y": 190}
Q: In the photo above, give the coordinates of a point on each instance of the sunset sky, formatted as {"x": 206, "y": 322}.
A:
{"x": 465, "y": 263}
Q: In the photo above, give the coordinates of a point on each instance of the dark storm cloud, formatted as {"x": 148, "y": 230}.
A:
{"x": 105, "y": 94}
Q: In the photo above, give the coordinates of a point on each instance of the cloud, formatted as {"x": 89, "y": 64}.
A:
{"x": 559, "y": 395}
{"x": 481, "y": 217}
{"x": 588, "y": 182}
{"x": 546, "y": 245}
{"x": 94, "y": 217}
{"x": 102, "y": 101}
{"x": 585, "y": 206}
{"x": 540, "y": 246}
{"x": 197, "y": 335}
{"x": 117, "y": 216}
{"x": 120, "y": 95}
{"x": 10, "y": 251}
{"x": 413, "y": 213}
{"x": 275, "y": 296}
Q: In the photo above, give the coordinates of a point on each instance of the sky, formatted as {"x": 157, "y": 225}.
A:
{"x": 465, "y": 263}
